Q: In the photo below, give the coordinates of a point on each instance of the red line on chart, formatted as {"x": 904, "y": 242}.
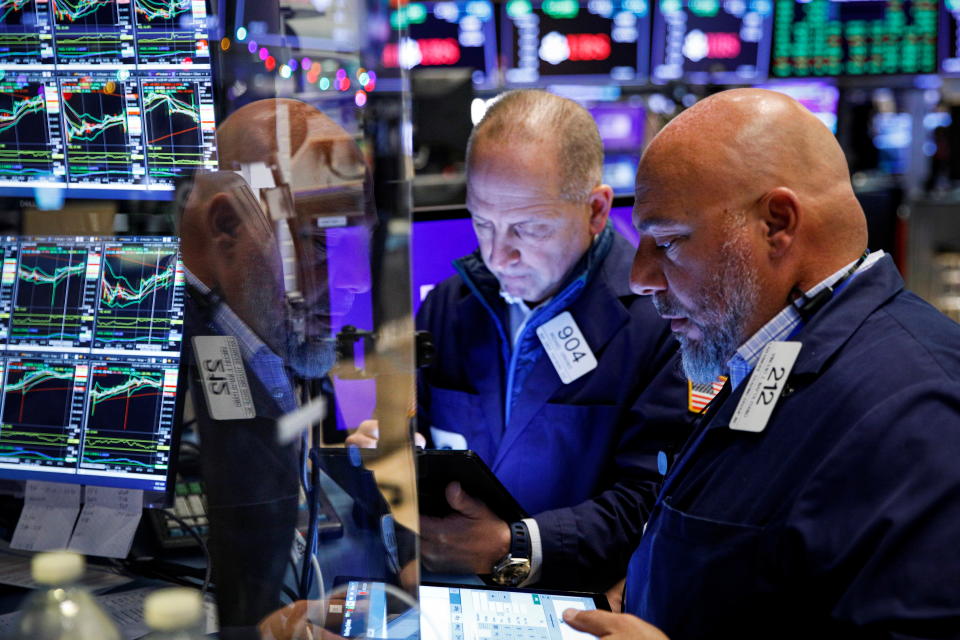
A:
{"x": 23, "y": 399}
{"x": 170, "y": 135}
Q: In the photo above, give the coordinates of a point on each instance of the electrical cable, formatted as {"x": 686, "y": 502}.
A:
{"x": 203, "y": 546}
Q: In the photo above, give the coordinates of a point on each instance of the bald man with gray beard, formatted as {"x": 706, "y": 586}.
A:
{"x": 820, "y": 496}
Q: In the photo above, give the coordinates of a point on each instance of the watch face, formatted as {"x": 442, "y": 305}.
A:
{"x": 510, "y": 572}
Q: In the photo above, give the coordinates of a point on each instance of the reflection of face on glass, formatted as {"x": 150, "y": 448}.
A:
{"x": 268, "y": 237}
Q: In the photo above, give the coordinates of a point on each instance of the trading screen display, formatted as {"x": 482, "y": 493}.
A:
{"x": 565, "y": 40}
{"x": 950, "y": 37}
{"x": 458, "y": 34}
{"x": 711, "y": 41}
{"x": 90, "y": 341}
{"x": 854, "y": 37}
{"x": 818, "y": 96}
{"x": 104, "y": 98}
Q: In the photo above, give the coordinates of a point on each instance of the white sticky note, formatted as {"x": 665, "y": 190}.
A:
{"x": 225, "y": 384}
{"x": 49, "y": 512}
{"x": 764, "y": 386}
{"x": 565, "y": 345}
{"x": 108, "y": 521}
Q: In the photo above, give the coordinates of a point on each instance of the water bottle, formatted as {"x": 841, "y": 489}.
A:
{"x": 61, "y": 609}
{"x": 174, "y": 614}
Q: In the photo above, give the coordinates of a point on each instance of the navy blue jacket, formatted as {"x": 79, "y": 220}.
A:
{"x": 581, "y": 456}
{"x": 842, "y": 518}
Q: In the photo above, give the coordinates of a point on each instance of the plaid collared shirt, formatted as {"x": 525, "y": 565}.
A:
{"x": 264, "y": 363}
{"x": 782, "y": 326}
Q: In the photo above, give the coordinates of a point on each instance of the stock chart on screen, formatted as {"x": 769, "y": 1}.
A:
{"x": 91, "y": 338}
{"x": 104, "y": 98}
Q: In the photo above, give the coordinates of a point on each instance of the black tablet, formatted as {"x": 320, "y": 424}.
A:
{"x": 437, "y": 468}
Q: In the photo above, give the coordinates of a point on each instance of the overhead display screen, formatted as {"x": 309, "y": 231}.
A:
{"x": 950, "y": 37}
{"x": 819, "y": 97}
{"x": 565, "y": 40}
{"x": 104, "y": 98}
{"x": 90, "y": 341}
{"x": 711, "y": 41}
{"x": 854, "y": 37}
{"x": 443, "y": 34}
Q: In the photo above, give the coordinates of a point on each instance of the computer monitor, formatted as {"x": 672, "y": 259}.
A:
{"x": 455, "y": 34}
{"x": 90, "y": 342}
{"x": 949, "y": 43}
{"x": 819, "y": 96}
{"x": 570, "y": 41}
{"x": 104, "y": 99}
{"x": 853, "y": 38}
{"x": 708, "y": 41}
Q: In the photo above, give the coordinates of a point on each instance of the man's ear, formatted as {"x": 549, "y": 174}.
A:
{"x": 781, "y": 213}
{"x": 223, "y": 221}
{"x": 600, "y": 200}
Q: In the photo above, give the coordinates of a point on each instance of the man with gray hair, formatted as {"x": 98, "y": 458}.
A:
{"x": 547, "y": 366}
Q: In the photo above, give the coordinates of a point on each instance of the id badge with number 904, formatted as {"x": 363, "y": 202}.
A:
{"x": 565, "y": 345}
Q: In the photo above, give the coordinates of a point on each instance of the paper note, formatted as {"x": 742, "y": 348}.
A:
{"x": 108, "y": 521}
{"x": 49, "y": 512}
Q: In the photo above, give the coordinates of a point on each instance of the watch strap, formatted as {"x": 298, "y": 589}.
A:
{"x": 520, "y": 546}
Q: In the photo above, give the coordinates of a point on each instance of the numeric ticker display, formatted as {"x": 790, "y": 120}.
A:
{"x": 854, "y": 37}
{"x": 90, "y": 340}
{"x": 566, "y": 39}
{"x": 711, "y": 41}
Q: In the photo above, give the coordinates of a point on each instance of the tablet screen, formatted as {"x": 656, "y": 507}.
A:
{"x": 456, "y": 612}
{"x": 467, "y": 613}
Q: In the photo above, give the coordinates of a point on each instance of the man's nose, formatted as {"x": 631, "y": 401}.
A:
{"x": 646, "y": 276}
{"x": 502, "y": 252}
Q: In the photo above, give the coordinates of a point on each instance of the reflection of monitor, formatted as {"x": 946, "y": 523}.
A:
{"x": 91, "y": 336}
{"x": 455, "y": 34}
{"x": 819, "y": 96}
{"x": 712, "y": 41}
{"x": 104, "y": 99}
{"x": 847, "y": 37}
{"x": 563, "y": 40}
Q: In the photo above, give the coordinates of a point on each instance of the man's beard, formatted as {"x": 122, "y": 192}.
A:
{"x": 312, "y": 358}
{"x": 724, "y": 306}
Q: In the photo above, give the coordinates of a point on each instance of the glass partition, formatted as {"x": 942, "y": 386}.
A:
{"x": 204, "y": 221}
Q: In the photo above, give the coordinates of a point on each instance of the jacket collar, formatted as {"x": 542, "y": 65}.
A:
{"x": 831, "y": 327}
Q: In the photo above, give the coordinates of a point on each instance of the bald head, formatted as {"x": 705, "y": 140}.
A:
{"x": 744, "y": 143}
{"x": 743, "y": 203}
{"x": 256, "y": 132}
{"x": 550, "y": 126}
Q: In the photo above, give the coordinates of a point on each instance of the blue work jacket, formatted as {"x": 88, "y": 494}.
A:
{"x": 842, "y": 518}
{"x": 581, "y": 456}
